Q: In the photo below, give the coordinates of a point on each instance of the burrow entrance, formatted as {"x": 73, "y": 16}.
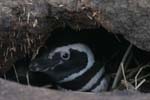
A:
{"x": 110, "y": 49}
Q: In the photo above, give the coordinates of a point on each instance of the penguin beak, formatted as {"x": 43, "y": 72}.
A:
{"x": 43, "y": 65}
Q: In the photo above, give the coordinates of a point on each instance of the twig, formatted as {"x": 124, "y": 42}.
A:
{"x": 16, "y": 74}
{"x": 118, "y": 75}
{"x": 28, "y": 79}
{"x": 124, "y": 76}
{"x": 140, "y": 84}
{"x": 36, "y": 53}
{"x": 142, "y": 77}
{"x": 138, "y": 73}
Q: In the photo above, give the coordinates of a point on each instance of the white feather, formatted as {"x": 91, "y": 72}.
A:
{"x": 93, "y": 81}
{"x": 102, "y": 86}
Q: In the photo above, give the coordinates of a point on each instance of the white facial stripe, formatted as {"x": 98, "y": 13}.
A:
{"x": 63, "y": 49}
{"x": 81, "y": 48}
{"x": 102, "y": 86}
{"x": 93, "y": 81}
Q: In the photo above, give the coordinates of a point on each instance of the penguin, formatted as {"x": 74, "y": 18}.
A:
{"x": 72, "y": 67}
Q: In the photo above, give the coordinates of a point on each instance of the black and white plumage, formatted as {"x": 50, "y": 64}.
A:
{"x": 72, "y": 67}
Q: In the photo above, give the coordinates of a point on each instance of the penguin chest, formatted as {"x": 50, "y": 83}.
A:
{"x": 94, "y": 80}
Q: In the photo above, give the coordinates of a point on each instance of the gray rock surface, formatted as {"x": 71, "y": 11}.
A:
{"x": 131, "y": 18}
{"x": 13, "y": 91}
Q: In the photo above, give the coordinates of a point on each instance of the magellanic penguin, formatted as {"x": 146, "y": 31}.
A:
{"x": 72, "y": 67}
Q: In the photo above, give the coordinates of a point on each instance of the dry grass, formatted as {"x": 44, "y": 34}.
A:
{"x": 130, "y": 79}
{"x": 121, "y": 67}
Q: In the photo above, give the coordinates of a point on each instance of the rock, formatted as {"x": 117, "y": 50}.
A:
{"x": 14, "y": 91}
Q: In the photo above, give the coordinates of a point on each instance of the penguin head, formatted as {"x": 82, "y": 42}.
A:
{"x": 64, "y": 63}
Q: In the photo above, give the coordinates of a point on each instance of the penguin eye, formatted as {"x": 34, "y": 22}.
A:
{"x": 65, "y": 56}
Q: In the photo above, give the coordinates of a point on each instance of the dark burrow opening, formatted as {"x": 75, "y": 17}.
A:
{"x": 109, "y": 49}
